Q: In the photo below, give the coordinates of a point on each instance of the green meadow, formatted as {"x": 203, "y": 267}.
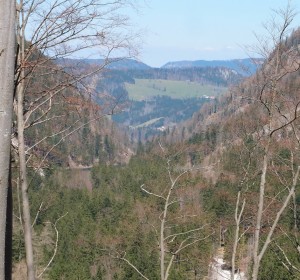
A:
{"x": 147, "y": 88}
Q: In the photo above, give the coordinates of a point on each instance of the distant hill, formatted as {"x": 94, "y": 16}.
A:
{"x": 245, "y": 67}
{"x": 122, "y": 64}
{"x": 115, "y": 64}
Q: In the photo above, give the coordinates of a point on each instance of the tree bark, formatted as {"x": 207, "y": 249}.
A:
{"x": 7, "y": 53}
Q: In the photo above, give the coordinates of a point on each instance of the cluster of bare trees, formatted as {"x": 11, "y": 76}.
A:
{"x": 172, "y": 241}
{"x": 37, "y": 40}
{"x": 277, "y": 108}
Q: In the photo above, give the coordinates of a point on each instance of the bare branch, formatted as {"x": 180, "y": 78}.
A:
{"x": 290, "y": 265}
{"x": 133, "y": 266}
{"x": 37, "y": 214}
{"x": 151, "y": 193}
{"x": 184, "y": 233}
{"x": 56, "y": 244}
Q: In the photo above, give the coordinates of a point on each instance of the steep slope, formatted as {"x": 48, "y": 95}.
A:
{"x": 68, "y": 124}
{"x": 246, "y": 143}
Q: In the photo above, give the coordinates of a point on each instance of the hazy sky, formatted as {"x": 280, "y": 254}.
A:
{"x": 202, "y": 29}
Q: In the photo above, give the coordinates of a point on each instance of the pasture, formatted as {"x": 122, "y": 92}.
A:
{"x": 144, "y": 89}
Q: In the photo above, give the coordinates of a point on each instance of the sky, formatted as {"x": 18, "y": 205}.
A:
{"x": 176, "y": 30}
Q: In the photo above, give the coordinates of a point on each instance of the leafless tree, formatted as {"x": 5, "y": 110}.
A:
{"x": 48, "y": 34}
{"x": 171, "y": 241}
{"x": 278, "y": 111}
{"x": 281, "y": 62}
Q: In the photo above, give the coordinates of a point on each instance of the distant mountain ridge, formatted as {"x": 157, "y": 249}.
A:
{"x": 115, "y": 64}
{"x": 121, "y": 64}
{"x": 245, "y": 67}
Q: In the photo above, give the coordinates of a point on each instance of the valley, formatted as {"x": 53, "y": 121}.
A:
{"x": 111, "y": 169}
{"x": 175, "y": 150}
{"x": 171, "y": 165}
{"x": 156, "y": 99}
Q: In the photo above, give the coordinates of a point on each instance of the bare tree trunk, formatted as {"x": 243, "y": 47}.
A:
{"x": 237, "y": 218}
{"x": 7, "y": 52}
{"x": 259, "y": 254}
{"x": 162, "y": 245}
{"x": 164, "y": 275}
{"x": 256, "y": 258}
{"x": 23, "y": 171}
{"x": 295, "y": 211}
{"x": 24, "y": 190}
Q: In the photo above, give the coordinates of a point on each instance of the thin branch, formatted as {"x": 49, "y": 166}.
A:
{"x": 37, "y": 214}
{"x": 151, "y": 193}
{"x": 193, "y": 242}
{"x": 133, "y": 266}
{"x": 184, "y": 233}
{"x": 245, "y": 231}
{"x": 35, "y": 122}
{"x": 56, "y": 244}
{"x": 287, "y": 259}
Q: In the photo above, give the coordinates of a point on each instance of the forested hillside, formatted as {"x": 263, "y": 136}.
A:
{"x": 203, "y": 174}
{"x": 251, "y": 136}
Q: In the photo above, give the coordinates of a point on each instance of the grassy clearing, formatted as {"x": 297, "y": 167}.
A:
{"x": 147, "y": 88}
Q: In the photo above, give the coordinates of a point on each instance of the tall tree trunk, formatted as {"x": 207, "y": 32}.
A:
{"x": 7, "y": 53}
{"x": 256, "y": 256}
{"x": 24, "y": 185}
{"x": 162, "y": 239}
{"x": 237, "y": 218}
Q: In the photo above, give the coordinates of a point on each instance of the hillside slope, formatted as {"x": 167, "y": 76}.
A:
{"x": 246, "y": 144}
